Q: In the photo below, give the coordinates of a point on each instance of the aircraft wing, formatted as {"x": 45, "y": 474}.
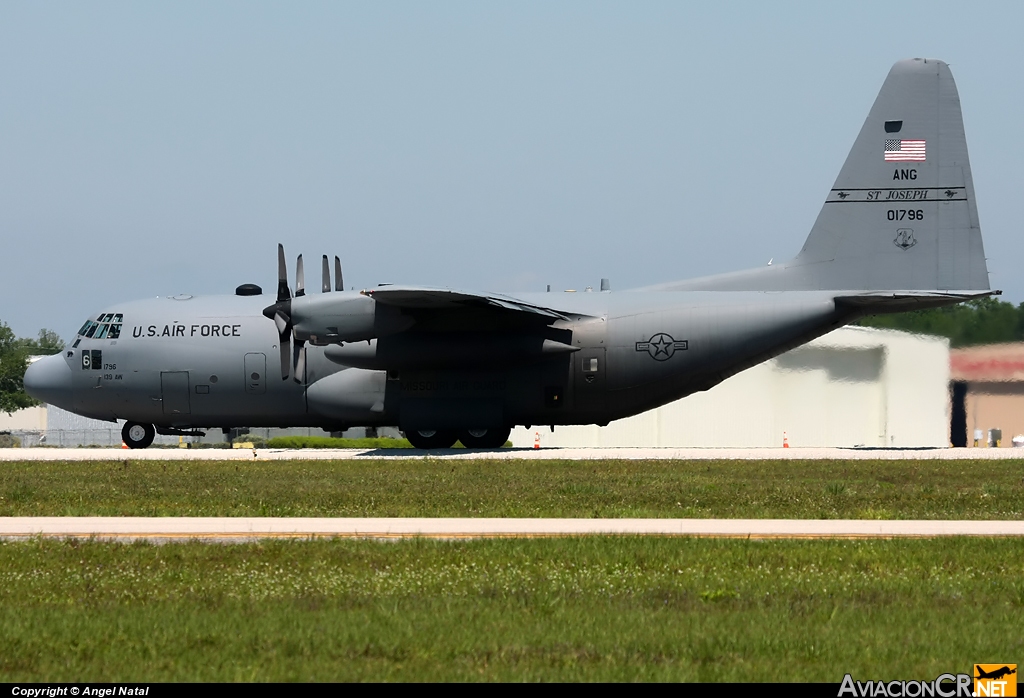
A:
{"x": 897, "y": 301}
{"x": 426, "y": 298}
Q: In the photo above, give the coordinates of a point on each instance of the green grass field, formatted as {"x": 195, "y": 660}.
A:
{"x": 598, "y": 608}
{"x": 429, "y": 487}
{"x": 623, "y": 608}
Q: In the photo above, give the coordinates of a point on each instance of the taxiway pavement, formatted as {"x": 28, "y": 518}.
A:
{"x": 266, "y": 454}
{"x": 227, "y": 529}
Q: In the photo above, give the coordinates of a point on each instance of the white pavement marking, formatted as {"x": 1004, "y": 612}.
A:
{"x": 237, "y": 528}
{"x": 261, "y": 454}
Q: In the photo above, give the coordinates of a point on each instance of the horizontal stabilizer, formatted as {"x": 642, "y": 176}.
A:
{"x": 901, "y": 301}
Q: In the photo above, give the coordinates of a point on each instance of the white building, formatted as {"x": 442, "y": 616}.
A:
{"x": 856, "y": 386}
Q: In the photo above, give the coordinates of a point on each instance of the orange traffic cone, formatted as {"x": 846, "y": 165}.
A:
{"x": 124, "y": 445}
{"x": 536, "y": 439}
{"x": 785, "y": 441}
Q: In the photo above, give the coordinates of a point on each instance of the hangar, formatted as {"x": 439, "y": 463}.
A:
{"x": 854, "y": 387}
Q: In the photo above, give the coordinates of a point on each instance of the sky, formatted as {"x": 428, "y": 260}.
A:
{"x": 149, "y": 149}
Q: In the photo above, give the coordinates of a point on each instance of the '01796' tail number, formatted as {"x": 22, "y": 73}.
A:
{"x": 900, "y": 214}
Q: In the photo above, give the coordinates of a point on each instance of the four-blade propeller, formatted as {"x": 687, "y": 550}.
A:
{"x": 292, "y": 348}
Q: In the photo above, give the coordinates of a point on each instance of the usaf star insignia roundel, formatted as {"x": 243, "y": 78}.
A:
{"x": 661, "y": 346}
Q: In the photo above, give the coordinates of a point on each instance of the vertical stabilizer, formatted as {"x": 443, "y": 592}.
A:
{"x": 902, "y": 213}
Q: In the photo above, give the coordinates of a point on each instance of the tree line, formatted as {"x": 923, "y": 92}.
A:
{"x": 14, "y": 353}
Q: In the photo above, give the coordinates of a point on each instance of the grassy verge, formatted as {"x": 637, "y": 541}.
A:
{"x": 559, "y": 609}
{"x": 612, "y": 488}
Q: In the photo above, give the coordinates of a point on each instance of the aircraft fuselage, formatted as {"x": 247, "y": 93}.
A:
{"x": 186, "y": 362}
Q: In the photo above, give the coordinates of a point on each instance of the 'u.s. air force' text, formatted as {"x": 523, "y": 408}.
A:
{"x": 176, "y": 330}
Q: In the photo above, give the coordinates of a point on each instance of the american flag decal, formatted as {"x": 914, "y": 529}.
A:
{"x": 897, "y": 150}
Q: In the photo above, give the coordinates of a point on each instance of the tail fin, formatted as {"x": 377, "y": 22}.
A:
{"x": 902, "y": 213}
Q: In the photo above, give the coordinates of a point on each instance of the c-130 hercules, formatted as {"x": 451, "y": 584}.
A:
{"x": 898, "y": 231}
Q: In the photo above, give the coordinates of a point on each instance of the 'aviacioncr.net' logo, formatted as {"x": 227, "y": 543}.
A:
{"x": 995, "y": 680}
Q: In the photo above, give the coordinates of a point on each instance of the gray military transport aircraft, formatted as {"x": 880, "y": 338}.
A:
{"x": 898, "y": 231}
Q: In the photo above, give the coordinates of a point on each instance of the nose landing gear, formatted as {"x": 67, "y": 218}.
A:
{"x": 137, "y": 435}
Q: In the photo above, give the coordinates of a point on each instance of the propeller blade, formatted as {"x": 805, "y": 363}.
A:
{"x": 325, "y": 287}
{"x": 286, "y": 357}
{"x": 300, "y": 361}
{"x": 282, "y": 324}
{"x": 300, "y": 278}
{"x": 339, "y": 285}
{"x": 283, "y": 292}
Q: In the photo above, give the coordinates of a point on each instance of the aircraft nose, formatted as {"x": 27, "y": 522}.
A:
{"x": 49, "y": 380}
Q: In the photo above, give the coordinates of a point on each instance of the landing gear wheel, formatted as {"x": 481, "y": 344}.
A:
{"x": 137, "y": 435}
{"x": 484, "y": 438}
{"x": 430, "y": 438}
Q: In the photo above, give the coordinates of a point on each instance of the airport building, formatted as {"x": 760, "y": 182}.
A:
{"x": 988, "y": 395}
{"x": 854, "y": 387}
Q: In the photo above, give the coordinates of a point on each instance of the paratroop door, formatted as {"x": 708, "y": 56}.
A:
{"x": 174, "y": 389}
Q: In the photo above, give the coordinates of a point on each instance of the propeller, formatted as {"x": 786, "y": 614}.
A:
{"x": 292, "y": 347}
{"x": 280, "y": 312}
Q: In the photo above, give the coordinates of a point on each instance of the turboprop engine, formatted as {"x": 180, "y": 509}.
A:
{"x": 326, "y": 318}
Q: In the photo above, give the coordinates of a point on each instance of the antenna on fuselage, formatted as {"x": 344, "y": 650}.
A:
{"x": 325, "y": 285}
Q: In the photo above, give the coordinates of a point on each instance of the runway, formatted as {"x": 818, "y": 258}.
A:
{"x": 230, "y": 529}
{"x": 261, "y": 454}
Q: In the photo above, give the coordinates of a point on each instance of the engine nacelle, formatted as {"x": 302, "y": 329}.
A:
{"x": 345, "y": 316}
{"x": 352, "y": 396}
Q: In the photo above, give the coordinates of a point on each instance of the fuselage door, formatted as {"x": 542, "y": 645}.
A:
{"x": 590, "y": 378}
{"x": 255, "y": 373}
{"x": 174, "y": 389}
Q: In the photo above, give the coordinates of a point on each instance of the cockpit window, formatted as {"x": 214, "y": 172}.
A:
{"x": 107, "y": 327}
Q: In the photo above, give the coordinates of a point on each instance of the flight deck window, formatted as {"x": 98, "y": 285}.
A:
{"x": 108, "y": 317}
{"x": 118, "y": 318}
{"x": 115, "y": 332}
{"x": 102, "y": 332}
{"x": 92, "y": 329}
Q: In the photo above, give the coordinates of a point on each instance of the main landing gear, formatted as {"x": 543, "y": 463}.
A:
{"x": 137, "y": 435}
{"x": 470, "y": 438}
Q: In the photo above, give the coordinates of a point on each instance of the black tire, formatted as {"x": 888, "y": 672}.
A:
{"x": 484, "y": 438}
{"x": 137, "y": 435}
{"x": 430, "y": 438}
